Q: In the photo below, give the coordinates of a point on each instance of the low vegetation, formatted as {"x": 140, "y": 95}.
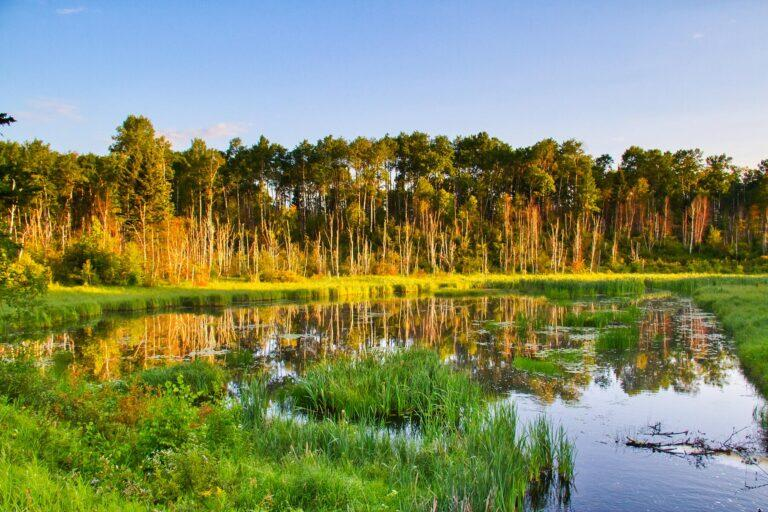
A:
{"x": 539, "y": 366}
{"x": 398, "y": 387}
{"x": 167, "y": 439}
{"x": 743, "y": 311}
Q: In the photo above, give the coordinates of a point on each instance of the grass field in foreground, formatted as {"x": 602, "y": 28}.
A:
{"x": 174, "y": 441}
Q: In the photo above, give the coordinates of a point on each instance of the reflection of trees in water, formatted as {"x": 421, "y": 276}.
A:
{"x": 677, "y": 348}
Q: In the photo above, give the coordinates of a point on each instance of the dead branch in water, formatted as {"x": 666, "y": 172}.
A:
{"x": 696, "y": 447}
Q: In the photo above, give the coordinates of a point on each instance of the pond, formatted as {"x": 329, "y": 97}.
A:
{"x": 607, "y": 369}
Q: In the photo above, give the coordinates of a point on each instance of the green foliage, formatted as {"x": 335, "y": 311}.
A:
{"x": 114, "y": 447}
{"x": 168, "y": 421}
{"x": 203, "y": 379}
{"x": 143, "y": 176}
{"x": 400, "y": 386}
{"x": 89, "y": 261}
{"x": 539, "y": 366}
{"x": 22, "y": 280}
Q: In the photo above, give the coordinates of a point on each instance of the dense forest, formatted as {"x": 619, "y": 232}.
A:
{"x": 411, "y": 203}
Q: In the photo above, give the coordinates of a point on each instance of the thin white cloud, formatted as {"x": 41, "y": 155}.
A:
{"x": 223, "y": 130}
{"x": 698, "y": 35}
{"x": 46, "y": 110}
{"x": 66, "y": 11}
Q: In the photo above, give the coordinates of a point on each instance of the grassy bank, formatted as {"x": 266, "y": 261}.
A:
{"x": 67, "y": 305}
{"x": 156, "y": 442}
{"x": 743, "y": 311}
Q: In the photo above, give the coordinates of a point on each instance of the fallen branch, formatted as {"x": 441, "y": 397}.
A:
{"x": 698, "y": 447}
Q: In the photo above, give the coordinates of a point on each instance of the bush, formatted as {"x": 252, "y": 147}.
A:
{"x": 89, "y": 261}
{"x": 383, "y": 268}
{"x": 279, "y": 276}
{"x": 191, "y": 470}
{"x": 169, "y": 421}
{"x": 21, "y": 280}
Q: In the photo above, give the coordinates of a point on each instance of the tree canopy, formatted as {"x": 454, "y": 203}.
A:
{"x": 397, "y": 204}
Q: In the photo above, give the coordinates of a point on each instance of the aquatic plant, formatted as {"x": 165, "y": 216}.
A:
{"x": 618, "y": 338}
{"x": 397, "y": 386}
{"x": 602, "y": 318}
{"x": 539, "y": 366}
{"x": 254, "y": 400}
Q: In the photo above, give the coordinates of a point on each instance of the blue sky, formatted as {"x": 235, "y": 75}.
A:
{"x": 665, "y": 74}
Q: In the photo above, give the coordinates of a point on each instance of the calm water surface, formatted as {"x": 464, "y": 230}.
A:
{"x": 677, "y": 369}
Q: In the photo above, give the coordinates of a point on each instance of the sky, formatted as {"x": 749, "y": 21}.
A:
{"x": 664, "y": 74}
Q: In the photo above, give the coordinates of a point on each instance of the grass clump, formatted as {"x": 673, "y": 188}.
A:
{"x": 602, "y": 318}
{"x": 538, "y": 366}
{"x": 204, "y": 379}
{"x": 618, "y": 338}
{"x": 400, "y": 386}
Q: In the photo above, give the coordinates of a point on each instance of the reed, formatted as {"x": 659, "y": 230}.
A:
{"x": 394, "y": 387}
{"x": 618, "y": 338}
{"x": 602, "y": 318}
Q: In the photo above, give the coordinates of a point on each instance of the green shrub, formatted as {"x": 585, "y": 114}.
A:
{"x": 89, "y": 261}
{"x": 169, "y": 420}
{"x": 191, "y": 470}
{"x": 279, "y": 276}
{"x": 21, "y": 280}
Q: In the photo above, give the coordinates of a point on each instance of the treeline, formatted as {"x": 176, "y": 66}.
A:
{"x": 412, "y": 203}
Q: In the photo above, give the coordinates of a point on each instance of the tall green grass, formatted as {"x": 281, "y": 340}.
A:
{"x": 113, "y": 446}
{"x": 469, "y": 454}
{"x": 602, "y": 318}
{"x": 618, "y": 338}
{"x": 394, "y": 387}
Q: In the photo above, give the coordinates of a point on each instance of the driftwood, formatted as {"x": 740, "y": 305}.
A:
{"x": 695, "y": 447}
{"x": 698, "y": 449}
{"x": 682, "y": 444}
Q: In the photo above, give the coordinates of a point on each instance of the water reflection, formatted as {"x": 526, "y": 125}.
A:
{"x": 599, "y": 368}
{"x": 508, "y": 343}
